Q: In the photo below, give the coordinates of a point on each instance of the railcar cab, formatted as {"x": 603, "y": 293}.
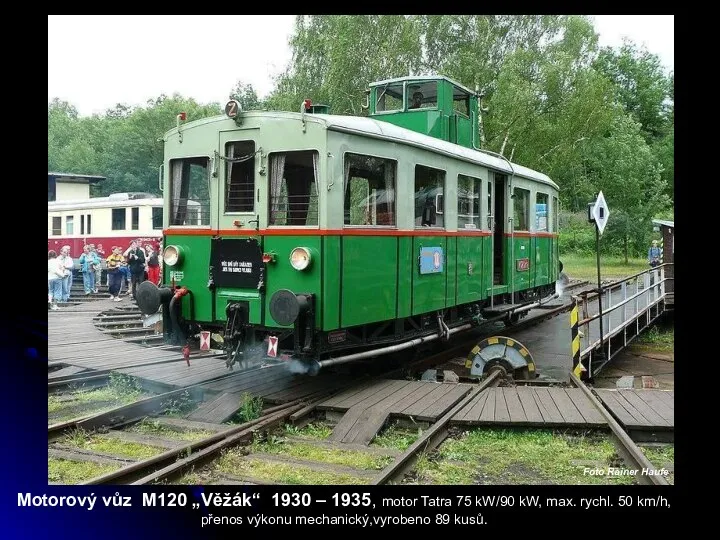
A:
{"x": 431, "y": 105}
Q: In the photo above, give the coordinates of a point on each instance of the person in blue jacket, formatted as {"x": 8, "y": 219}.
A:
{"x": 654, "y": 254}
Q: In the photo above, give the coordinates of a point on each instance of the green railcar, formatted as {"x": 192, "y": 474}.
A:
{"x": 328, "y": 238}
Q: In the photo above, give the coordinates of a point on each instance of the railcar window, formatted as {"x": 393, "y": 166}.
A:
{"x": 190, "y": 191}
{"x": 489, "y": 206}
{"x": 118, "y": 219}
{"x": 240, "y": 176}
{"x": 69, "y": 225}
{"x": 429, "y": 189}
{"x": 389, "y": 98}
{"x": 56, "y": 226}
{"x": 556, "y": 214}
{"x": 293, "y": 188}
{"x": 521, "y": 200}
{"x": 135, "y": 218}
{"x": 157, "y": 217}
{"x": 89, "y": 223}
{"x": 468, "y": 192}
{"x": 369, "y": 190}
{"x": 542, "y": 212}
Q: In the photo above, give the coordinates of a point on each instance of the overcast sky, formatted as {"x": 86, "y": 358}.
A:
{"x": 96, "y": 62}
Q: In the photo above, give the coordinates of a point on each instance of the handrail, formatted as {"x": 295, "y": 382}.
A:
{"x": 622, "y": 302}
{"x": 619, "y": 282}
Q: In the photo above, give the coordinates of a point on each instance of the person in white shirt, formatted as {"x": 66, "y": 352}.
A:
{"x": 67, "y": 263}
{"x": 55, "y": 276}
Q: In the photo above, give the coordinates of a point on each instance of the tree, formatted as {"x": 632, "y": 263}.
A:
{"x": 623, "y": 166}
{"x": 247, "y": 97}
{"x": 643, "y": 88}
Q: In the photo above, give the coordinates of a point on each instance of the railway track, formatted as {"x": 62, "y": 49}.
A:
{"x": 196, "y": 448}
{"x": 636, "y": 463}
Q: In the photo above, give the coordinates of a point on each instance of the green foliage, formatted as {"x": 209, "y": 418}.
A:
{"x": 250, "y": 409}
{"x": 591, "y": 119}
{"x": 178, "y": 405}
{"x": 641, "y": 85}
{"x": 125, "y": 145}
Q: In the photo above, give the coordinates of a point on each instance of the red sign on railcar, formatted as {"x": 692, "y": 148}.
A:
{"x": 523, "y": 265}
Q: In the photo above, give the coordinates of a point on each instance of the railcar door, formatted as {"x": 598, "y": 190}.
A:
{"x": 236, "y": 268}
{"x": 239, "y": 196}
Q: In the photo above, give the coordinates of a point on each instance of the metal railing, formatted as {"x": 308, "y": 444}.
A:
{"x": 628, "y": 306}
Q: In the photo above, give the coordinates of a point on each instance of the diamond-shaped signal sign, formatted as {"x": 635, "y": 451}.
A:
{"x": 601, "y": 212}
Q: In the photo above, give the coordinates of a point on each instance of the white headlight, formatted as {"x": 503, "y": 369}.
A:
{"x": 300, "y": 258}
{"x": 171, "y": 255}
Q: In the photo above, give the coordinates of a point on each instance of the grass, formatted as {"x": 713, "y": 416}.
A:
{"x": 73, "y": 472}
{"x": 110, "y": 445}
{"x": 662, "y": 456}
{"x": 579, "y": 267}
{"x": 335, "y": 456}
{"x": 250, "y": 409}
{"x": 235, "y": 463}
{"x": 657, "y": 339}
{"x": 149, "y": 426}
{"x": 396, "y": 437}
{"x": 120, "y": 390}
{"x": 319, "y": 430}
{"x": 486, "y": 456}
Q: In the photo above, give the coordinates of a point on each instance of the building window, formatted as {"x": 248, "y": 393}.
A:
{"x": 542, "y": 212}
{"x": 521, "y": 198}
{"x": 135, "y": 219}
{"x": 293, "y": 188}
{"x": 369, "y": 190}
{"x": 69, "y": 225}
{"x": 429, "y": 190}
{"x": 57, "y": 226}
{"x": 190, "y": 192}
{"x": 240, "y": 176}
{"x": 157, "y": 217}
{"x": 118, "y": 219}
{"x": 468, "y": 192}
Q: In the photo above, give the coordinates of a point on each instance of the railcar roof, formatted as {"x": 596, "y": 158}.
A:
{"x": 372, "y": 126}
{"x": 360, "y": 125}
{"x": 423, "y": 78}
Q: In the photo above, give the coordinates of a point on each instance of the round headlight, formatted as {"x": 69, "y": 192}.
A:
{"x": 171, "y": 255}
{"x": 300, "y": 258}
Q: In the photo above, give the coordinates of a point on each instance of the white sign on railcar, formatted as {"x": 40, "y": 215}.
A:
{"x": 204, "y": 341}
{"x": 601, "y": 212}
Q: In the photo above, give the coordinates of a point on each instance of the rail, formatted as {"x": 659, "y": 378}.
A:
{"x": 626, "y": 448}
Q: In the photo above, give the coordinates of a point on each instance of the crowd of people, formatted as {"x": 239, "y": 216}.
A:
{"x": 125, "y": 270}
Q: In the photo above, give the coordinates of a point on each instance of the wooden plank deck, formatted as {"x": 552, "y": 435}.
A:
{"x": 646, "y": 409}
{"x": 368, "y": 407}
{"x": 530, "y": 406}
{"x": 76, "y": 343}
